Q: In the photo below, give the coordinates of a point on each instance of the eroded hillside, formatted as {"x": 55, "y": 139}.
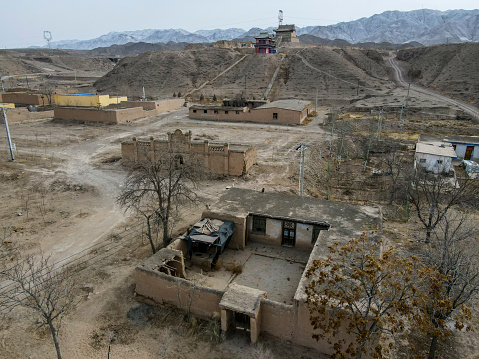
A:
{"x": 338, "y": 74}
{"x": 452, "y": 69}
{"x": 165, "y": 72}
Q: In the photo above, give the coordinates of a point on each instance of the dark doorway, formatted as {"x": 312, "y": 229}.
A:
{"x": 289, "y": 234}
{"x": 469, "y": 150}
{"x": 242, "y": 321}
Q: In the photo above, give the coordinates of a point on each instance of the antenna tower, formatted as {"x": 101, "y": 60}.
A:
{"x": 47, "y": 35}
{"x": 280, "y": 17}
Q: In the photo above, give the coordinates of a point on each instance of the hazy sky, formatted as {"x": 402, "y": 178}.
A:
{"x": 24, "y": 21}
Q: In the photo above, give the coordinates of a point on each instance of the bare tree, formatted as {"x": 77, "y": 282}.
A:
{"x": 364, "y": 291}
{"x": 454, "y": 252}
{"x": 38, "y": 286}
{"x": 397, "y": 170}
{"x": 163, "y": 185}
{"x": 47, "y": 91}
{"x": 433, "y": 195}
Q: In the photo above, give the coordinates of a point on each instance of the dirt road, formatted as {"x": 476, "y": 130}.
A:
{"x": 402, "y": 81}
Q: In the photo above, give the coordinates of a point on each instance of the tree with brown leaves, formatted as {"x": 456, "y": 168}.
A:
{"x": 363, "y": 290}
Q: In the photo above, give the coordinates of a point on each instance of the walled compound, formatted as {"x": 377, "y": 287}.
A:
{"x": 276, "y": 238}
{"x": 221, "y": 158}
{"x": 285, "y": 112}
{"x": 108, "y": 110}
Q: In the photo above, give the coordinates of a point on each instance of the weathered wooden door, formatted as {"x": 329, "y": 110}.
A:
{"x": 469, "y": 150}
{"x": 289, "y": 234}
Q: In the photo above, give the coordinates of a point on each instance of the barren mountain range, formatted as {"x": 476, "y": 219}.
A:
{"x": 425, "y": 26}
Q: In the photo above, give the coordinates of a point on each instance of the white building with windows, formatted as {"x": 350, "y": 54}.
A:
{"x": 434, "y": 156}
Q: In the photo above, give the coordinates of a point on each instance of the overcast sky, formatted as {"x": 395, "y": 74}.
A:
{"x": 24, "y": 21}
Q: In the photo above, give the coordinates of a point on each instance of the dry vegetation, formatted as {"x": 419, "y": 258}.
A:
{"x": 59, "y": 196}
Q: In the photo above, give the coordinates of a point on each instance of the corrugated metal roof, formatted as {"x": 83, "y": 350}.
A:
{"x": 436, "y": 148}
{"x": 294, "y": 105}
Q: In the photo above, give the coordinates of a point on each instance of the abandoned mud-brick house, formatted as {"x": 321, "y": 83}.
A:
{"x": 284, "y": 112}
{"x": 220, "y": 158}
{"x": 259, "y": 282}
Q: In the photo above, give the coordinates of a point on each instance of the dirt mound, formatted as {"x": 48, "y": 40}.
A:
{"x": 165, "y": 72}
{"x": 452, "y": 69}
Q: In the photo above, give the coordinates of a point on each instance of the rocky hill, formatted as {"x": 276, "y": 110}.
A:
{"x": 452, "y": 69}
{"x": 425, "y": 26}
{"x": 338, "y": 74}
{"x": 165, "y": 72}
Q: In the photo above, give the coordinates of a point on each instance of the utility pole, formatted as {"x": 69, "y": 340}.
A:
{"x": 8, "y": 134}
{"x": 357, "y": 90}
{"x": 407, "y": 96}
{"x": 380, "y": 124}
{"x": 301, "y": 148}
{"x": 316, "y": 102}
{"x": 3, "y": 89}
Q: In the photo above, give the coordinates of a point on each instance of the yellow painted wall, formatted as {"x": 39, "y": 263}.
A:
{"x": 83, "y": 100}
{"x": 117, "y": 99}
{"x": 7, "y": 105}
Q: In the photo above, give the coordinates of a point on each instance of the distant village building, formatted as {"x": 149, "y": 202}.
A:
{"x": 466, "y": 147}
{"x": 286, "y": 33}
{"x": 286, "y": 112}
{"x": 220, "y": 158}
{"x": 265, "y": 44}
{"x": 434, "y": 156}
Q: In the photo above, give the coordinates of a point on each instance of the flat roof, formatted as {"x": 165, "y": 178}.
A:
{"x": 206, "y": 107}
{"x": 443, "y": 149}
{"x": 242, "y": 299}
{"x": 294, "y": 105}
{"x": 243, "y": 202}
{"x": 473, "y": 140}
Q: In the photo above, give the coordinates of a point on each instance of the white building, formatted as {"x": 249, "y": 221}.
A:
{"x": 434, "y": 156}
{"x": 466, "y": 147}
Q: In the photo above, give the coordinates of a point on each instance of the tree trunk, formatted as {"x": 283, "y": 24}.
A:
{"x": 432, "y": 348}
{"x": 149, "y": 235}
{"x": 428, "y": 235}
{"x": 166, "y": 240}
{"x": 55, "y": 339}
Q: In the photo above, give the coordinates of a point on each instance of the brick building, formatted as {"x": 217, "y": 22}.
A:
{"x": 221, "y": 158}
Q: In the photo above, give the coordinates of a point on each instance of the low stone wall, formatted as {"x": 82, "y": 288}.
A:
{"x": 22, "y": 114}
{"x": 158, "y": 106}
{"x": 111, "y": 116}
{"x": 25, "y": 98}
{"x": 277, "y": 319}
{"x": 163, "y": 288}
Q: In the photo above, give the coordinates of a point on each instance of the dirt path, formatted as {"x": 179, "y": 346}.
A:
{"x": 401, "y": 79}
